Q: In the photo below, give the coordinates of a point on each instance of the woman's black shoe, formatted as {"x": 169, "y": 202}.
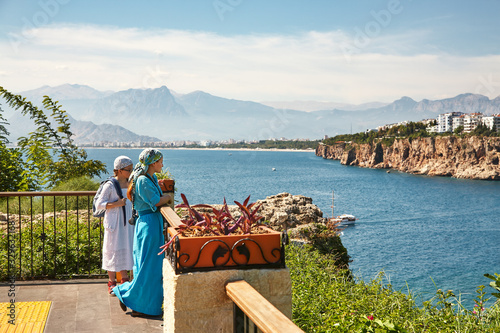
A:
{"x": 123, "y": 306}
{"x": 142, "y": 315}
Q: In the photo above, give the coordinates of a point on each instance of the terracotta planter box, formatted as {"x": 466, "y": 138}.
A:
{"x": 227, "y": 252}
{"x": 167, "y": 185}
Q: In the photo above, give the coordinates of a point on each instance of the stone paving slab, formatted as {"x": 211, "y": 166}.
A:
{"x": 80, "y": 305}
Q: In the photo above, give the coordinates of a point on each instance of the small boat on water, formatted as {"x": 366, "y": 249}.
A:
{"x": 344, "y": 219}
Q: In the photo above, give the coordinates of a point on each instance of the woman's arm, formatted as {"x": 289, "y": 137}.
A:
{"x": 104, "y": 201}
{"x": 151, "y": 194}
{"x": 165, "y": 199}
{"x": 121, "y": 202}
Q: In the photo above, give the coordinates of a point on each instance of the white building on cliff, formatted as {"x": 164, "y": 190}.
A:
{"x": 445, "y": 121}
{"x": 493, "y": 122}
{"x": 449, "y": 122}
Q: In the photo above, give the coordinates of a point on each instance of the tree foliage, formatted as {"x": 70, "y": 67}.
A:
{"x": 45, "y": 157}
{"x": 483, "y": 130}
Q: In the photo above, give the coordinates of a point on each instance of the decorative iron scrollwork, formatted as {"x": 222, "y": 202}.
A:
{"x": 244, "y": 250}
{"x": 179, "y": 259}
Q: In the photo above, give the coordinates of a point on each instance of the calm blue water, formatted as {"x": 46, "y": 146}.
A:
{"x": 412, "y": 227}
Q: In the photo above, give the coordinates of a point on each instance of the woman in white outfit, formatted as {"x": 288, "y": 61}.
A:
{"x": 118, "y": 233}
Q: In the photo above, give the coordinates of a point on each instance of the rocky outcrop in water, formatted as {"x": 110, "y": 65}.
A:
{"x": 469, "y": 157}
{"x": 285, "y": 211}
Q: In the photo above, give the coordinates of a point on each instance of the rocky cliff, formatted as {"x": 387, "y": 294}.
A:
{"x": 470, "y": 157}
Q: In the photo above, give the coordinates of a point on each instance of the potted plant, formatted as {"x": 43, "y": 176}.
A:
{"x": 166, "y": 181}
{"x": 218, "y": 240}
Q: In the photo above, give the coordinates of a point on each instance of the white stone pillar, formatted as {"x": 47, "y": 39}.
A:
{"x": 197, "y": 302}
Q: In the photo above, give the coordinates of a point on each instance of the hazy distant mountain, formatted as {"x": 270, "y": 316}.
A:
{"x": 318, "y": 106}
{"x": 88, "y": 132}
{"x": 65, "y": 92}
{"x": 200, "y": 103}
{"x": 466, "y": 103}
{"x": 221, "y": 118}
{"x": 146, "y": 114}
{"x": 74, "y": 98}
{"x": 84, "y": 131}
{"x": 125, "y": 107}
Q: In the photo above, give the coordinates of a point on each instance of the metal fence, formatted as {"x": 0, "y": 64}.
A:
{"x": 49, "y": 235}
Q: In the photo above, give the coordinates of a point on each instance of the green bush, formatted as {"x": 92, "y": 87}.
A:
{"x": 325, "y": 300}
{"x": 83, "y": 183}
{"x": 66, "y": 247}
{"x": 327, "y": 242}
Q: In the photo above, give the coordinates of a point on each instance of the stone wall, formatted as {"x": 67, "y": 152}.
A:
{"x": 197, "y": 302}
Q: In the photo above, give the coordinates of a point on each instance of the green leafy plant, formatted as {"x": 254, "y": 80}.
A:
{"x": 324, "y": 299}
{"x": 495, "y": 284}
{"x": 479, "y": 307}
{"x": 48, "y": 155}
{"x": 164, "y": 174}
{"x": 65, "y": 246}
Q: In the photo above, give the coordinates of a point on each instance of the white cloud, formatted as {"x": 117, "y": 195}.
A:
{"x": 305, "y": 66}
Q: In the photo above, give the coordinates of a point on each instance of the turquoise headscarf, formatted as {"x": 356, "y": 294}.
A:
{"x": 147, "y": 157}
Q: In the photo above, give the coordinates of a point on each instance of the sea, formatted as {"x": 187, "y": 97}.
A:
{"x": 423, "y": 233}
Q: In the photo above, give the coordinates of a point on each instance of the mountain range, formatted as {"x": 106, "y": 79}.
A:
{"x": 160, "y": 114}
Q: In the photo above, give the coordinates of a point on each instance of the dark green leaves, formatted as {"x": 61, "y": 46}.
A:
{"x": 48, "y": 155}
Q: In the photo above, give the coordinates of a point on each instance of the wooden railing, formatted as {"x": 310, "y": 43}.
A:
{"x": 172, "y": 218}
{"x": 258, "y": 309}
{"x": 251, "y": 310}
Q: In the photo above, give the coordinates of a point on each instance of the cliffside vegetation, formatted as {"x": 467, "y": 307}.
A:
{"x": 326, "y": 299}
{"x": 411, "y": 131}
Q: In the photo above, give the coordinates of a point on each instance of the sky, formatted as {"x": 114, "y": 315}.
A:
{"x": 354, "y": 51}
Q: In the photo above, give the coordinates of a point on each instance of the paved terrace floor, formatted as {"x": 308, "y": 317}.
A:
{"x": 80, "y": 306}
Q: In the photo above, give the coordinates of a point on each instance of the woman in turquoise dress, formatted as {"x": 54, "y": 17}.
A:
{"x": 144, "y": 294}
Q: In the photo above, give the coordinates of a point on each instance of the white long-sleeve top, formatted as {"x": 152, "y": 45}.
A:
{"x": 118, "y": 237}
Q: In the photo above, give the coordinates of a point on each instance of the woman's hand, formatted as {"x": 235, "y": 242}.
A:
{"x": 120, "y": 203}
{"x": 165, "y": 199}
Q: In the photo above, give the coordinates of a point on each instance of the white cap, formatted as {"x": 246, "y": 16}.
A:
{"x": 122, "y": 162}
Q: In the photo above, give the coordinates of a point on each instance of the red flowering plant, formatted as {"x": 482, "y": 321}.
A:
{"x": 217, "y": 222}
{"x": 249, "y": 217}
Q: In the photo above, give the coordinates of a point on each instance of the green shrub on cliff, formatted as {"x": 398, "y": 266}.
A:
{"x": 483, "y": 130}
{"x": 325, "y": 299}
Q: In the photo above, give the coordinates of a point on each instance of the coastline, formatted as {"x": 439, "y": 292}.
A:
{"x": 223, "y": 149}
{"x": 472, "y": 157}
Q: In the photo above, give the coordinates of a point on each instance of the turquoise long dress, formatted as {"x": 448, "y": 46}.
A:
{"x": 145, "y": 292}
